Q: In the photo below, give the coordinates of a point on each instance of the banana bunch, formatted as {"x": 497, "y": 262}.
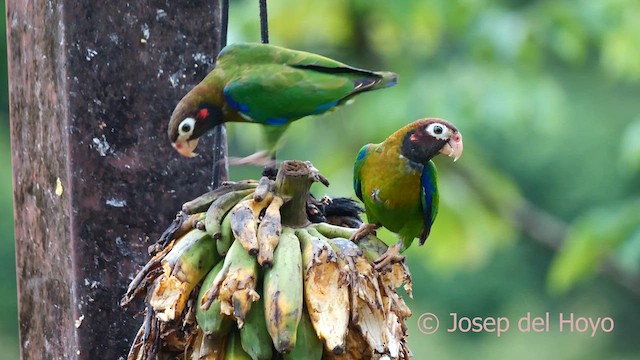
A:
{"x": 231, "y": 278}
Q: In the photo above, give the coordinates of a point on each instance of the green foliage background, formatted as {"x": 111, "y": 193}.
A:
{"x": 542, "y": 212}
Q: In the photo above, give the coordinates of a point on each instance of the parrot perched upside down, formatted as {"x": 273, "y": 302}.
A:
{"x": 269, "y": 85}
{"x": 397, "y": 182}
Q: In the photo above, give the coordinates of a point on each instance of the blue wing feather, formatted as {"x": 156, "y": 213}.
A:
{"x": 357, "y": 169}
{"x": 429, "y": 197}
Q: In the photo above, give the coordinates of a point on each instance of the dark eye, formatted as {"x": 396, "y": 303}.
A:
{"x": 437, "y": 130}
{"x": 186, "y": 128}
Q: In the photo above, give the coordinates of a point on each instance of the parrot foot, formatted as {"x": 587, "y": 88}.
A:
{"x": 390, "y": 257}
{"x": 261, "y": 158}
{"x": 364, "y": 230}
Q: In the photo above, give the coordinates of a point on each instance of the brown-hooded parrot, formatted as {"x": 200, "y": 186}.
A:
{"x": 398, "y": 183}
{"x": 268, "y": 85}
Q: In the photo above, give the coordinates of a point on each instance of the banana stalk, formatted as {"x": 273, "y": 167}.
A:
{"x": 326, "y": 290}
{"x": 244, "y": 223}
{"x": 283, "y": 292}
{"x": 184, "y": 266}
{"x": 235, "y": 284}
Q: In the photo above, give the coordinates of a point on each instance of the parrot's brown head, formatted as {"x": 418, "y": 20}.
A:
{"x": 190, "y": 120}
{"x": 424, "y": 139}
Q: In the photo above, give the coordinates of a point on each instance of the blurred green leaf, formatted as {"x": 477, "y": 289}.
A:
{"x": 630, "y": 148}
{"x": 591, "y": 240}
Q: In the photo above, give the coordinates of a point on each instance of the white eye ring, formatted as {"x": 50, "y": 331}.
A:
{"x": 438, "y": 131}
{"x": 186, "y": 127}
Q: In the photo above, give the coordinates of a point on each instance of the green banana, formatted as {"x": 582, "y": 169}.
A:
{"x": 212, "y": 322}
{"x": 202, "y": 202}
{"x": 372, "y": 247}
{"x": 254, "y": 336}
{"x": 184, "y": 266}
{"x": 308, "y": 346}
{"x": 283, "y": 292}
{"x": 235, "y": 284}
{"x": 219, "y": 208}
{"x": 226, "y": 236}
{"x": 234, "y": 349}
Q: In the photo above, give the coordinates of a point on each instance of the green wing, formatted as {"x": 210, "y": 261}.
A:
{"x": 274, "y": 85}
{"x": 276, "y": 94}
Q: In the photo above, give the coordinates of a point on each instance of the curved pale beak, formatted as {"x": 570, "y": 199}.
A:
{"x": 453, "y": 147}
{"x": 185, "y": 148}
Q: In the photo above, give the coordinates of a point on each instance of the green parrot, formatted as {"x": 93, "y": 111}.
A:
{"x": 398, "y": 183}
{"x": 268, "y": 85}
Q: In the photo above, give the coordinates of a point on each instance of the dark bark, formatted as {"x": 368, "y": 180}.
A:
{"x": 92, "y": 86}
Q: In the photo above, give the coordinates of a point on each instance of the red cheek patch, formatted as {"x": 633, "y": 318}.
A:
{"x": 202, "y": 114}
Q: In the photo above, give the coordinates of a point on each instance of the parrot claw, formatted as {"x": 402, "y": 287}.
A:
{"x": 364, "y": 230}
{"x": 390, "y": 257}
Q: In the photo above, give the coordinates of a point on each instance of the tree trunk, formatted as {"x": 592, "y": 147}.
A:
{"x": 92, "y": 86}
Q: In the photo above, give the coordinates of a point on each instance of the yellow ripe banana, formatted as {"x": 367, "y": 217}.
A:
{"x": 244, "y": 223}
{"x": 219, "y": 208}
{"x": 226, "y": 236}
{"x": 269, "y": 232}
{"x": 308, "y": 346}
{"x": 326, "y": 290}
{"x": 234, "y": 349}
{"x": 184, "y": 266}
{"x": 202, "y": 202}
{"x": 283, "y": 292}
{"x": 212, "y": 321}
{"x": 254, "y": 336}
{"x": 235, "y": 284}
